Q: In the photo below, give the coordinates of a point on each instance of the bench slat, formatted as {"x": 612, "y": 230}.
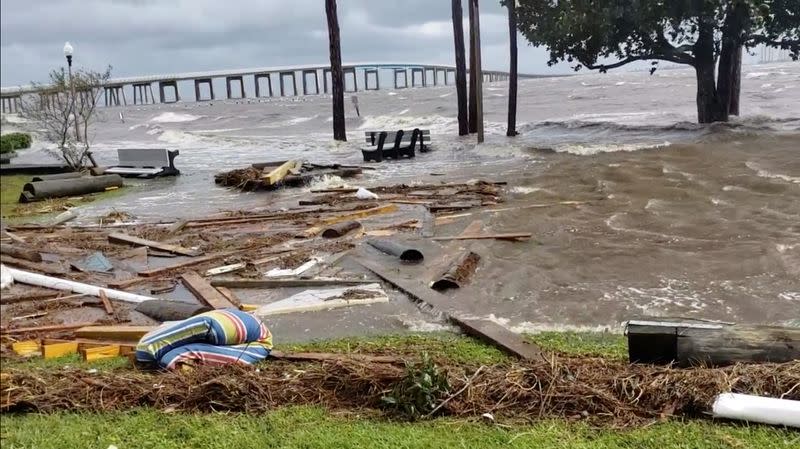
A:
{"x": 143, "y": 157}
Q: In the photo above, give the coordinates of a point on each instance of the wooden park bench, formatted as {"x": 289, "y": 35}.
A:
{"x": 145, "y": 163}
{"x": 404, "y": 144}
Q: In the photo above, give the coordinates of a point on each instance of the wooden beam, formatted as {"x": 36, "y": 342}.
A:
{"x": 337, "y": 74}
{"x": 486, "y": 330}
{"x": 100, "y": 352}
{"x": 230, "y": 296}
{"x": 20, "y": 252}
{"x": 51, "y": 328}
{"x": 205, "y": 292}
{"x": 187, "y": 263}
{"x": 119, "y": 333}
{"x": 507, "y": 236}
{"x": 106, "y": 303}
{"x": 131, "y": 240}
{"x": 285, "y": 283}
{"x": 33, "y": 266}
{"x": 278, "y": 173}
{"x": 51, "y": 351}
{"x": 225, "y": 269}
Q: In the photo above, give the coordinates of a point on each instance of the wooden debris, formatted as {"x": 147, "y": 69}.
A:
{"x": 20, "y": 252}
{"x": 285, "y": 283}
{"x": 177, "y": 227}
{"x": 131, "y": 240}
{"x": 186, "y": 263}
{"x": 106, "y": 303}
{"x": 100, "y": 352}
{"x": 116, "y": 332}
{"x": 458, "y": 272}
{"x": 230, "y": 296}
{"x": 14, "y": 237}
{"x": 489, "y": 331}
{"x": 687, "y": 343}
{"x": 506, "y": 236}
{"x": 30, "y": 315}
{"x": 277, "y": 174}
{"x": 165, "y": 289}
{"x": 26, "y": 348}
{"x": 33, "y": 266}
{"x": 51, "y": 328}
{"x": 51, "y": 351}
{"x": 225, "y": 269}
{"x": 9, "y": 299}
{"x": 312, "y": 300}
{"x": 204, "y": 292}
{"x": 340, "y": 229}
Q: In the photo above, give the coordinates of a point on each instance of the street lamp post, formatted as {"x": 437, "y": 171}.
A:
{"x": 68, "y": 53}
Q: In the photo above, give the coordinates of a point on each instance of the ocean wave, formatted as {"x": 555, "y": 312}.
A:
{"x": 175, "y": 117}
{"x": 761, "y": 172}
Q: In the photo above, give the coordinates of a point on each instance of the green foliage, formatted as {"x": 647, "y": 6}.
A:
{"x": 14, "y": 141}
{"x": 420, "y": 391}
{"x": 583, "y": 32}
{"x": 309, "y": 427}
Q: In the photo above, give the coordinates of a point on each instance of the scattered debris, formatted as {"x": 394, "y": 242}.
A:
{"x": 311, "y": 300}
{"x": 458, "y": 272}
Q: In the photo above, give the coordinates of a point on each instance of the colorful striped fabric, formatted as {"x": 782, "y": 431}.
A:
{"x": 206, "y": 354}
{"x": 224, "y": 327}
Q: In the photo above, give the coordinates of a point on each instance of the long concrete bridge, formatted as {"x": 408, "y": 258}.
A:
{"x": 266, "y": 81}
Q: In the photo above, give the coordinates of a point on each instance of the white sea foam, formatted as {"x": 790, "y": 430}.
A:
{"x": 297, "y": 120}
{"x": 327, "y": 182}
{"x": 524, "y": 190}
{"x": 586, "y": 149}
{"x": 174, "y": 117}
{"x": 771, "y": 175}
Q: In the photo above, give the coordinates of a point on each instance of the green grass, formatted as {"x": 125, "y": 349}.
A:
{"x": 456, "y": 349}
{"x": 309, "y": 427}
{"x": 10, "y": 208}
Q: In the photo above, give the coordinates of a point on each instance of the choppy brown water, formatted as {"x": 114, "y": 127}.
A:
{"x": 680, "y": 219}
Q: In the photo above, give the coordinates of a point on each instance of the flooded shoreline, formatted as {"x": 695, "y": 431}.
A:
{"x": 677, "y": 219}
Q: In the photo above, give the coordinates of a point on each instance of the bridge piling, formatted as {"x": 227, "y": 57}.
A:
{"x": 414, "y": 72}
{"x": 367, "y": 73}
{"x": 257, "y": 80}
{"x": 351, "y": 70}
{"x": 162, "y": 85}
{"x": 231, "y": 79}
{"x": 405, "y": 78}
{"x": 200, "y": 81}
{"x": 305, "y": 82}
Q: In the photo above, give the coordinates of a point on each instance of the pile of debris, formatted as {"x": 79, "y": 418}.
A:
{"x": 293, "y": 173}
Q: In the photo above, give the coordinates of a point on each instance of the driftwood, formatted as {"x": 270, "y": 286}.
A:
{"x": 131, "y": 240}
{"x": 458, "y": 272}
{"x": 21, "y": 252}
{"x": 340, "y": 229}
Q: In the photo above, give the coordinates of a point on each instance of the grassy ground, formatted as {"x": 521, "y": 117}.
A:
{"x": 304, "y": 427}
{"x": 308, "y": 427}
{"x": 13, "y": 211}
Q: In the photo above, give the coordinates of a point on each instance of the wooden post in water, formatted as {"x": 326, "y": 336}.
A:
{"x": 473, "y": 74}
{"x": 736, "y": 81}
{"x": 337, "y": 76}
{"x": 476, "y": 34}
{"x": 461, "y": 69}
{"x": 512, "y": 82}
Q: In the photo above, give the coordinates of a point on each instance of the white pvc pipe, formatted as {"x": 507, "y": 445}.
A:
{"x": 781, "y": 412}
{"x": 41, "y": 280}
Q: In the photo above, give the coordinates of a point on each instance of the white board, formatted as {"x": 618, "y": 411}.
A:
{"x": 310, "y": 300}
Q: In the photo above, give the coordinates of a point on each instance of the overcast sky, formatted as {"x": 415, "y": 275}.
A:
{"x": 144, "y": 37}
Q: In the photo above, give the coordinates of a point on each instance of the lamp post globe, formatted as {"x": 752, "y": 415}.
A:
{"x": 68, "y": 52}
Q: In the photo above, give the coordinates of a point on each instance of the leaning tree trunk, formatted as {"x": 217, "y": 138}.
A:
{"x": 512, "y": 80}
{"x": 709, "y": 107}
{"x": 736, "y": 82}
{"x": 461, "y": 69}
{"x": 337, "y": 76}
{"x": 473, "y": 76}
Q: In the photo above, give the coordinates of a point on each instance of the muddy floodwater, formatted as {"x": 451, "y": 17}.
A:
{"x": 675, "y": 219}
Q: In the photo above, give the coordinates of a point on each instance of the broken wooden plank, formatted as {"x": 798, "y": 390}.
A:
{"x": 230, "y": 296}
{"x": 314, "y": 300}
{"x": 33, "y": 266}
{"x": 50, "y": 328}
{"x": 20, "y": 252}
{"x": 100, "y": 352}
{"x": 14, "y": 237}
{"x": 204, "y": 291}
{"x": 285, "y": 283}
{"x": 164, "y": 289}
{"x": 37, "y": 296}
{"x": 106, "y": 303}
{"x": 131, "y": 240}
{"x": 26, "y": 348}
{"x": 51, "y": 351}
{"x": 187, "y": 263}
{"x": 506, "y": 236}
{"x": 225, "y": 269}
{"x": 116, "y": 332}
{"x": 489, "y": 331}
{"x": 475, "y": 227}
{"x": 278, "y": 173}
{"x": 177, "y": 227}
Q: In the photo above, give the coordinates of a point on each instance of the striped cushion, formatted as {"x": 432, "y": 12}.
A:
{"x": 206, "y": 354}
{"x": 222, "y": 327}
